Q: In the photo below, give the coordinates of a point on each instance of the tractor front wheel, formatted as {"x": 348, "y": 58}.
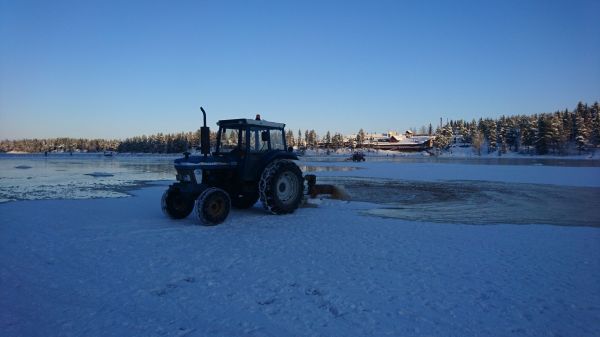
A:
{"x": 212, "y": 206}
{"x": 175, "y": 204}
{"x": 281, "y": 187}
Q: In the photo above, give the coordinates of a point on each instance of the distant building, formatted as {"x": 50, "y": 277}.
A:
{"x": 393, "y": 140}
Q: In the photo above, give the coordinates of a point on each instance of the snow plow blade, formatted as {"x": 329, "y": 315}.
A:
{"x": 335, "y": 192}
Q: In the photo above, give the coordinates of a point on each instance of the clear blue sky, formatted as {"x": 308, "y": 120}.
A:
{"x": 114, "y": 69}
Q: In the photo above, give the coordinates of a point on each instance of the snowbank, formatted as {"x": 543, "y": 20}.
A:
{"x": 118, "y": 267}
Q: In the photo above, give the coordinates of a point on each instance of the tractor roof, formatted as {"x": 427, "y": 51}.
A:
{"x": 250, "y": 122}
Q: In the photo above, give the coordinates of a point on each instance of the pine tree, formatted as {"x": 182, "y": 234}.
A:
{"x": 492, "y": 137}
{"x": 541, "y": 140}
{"x": 337, "y": 141}
{"x": 289, "y": 138}
{"x": 581, "y": 131}
{"x": 327, "y": 139}
{"x": 501, "y": 135}
{"x": 312, "y": 137}
{"x": 595, "y": 133}
{"x": 476, "y": 140}
{"x": 361, "y": 137}
{"x": 306, "y": 138}
{"x": 512, "y": 134}
{"x": 443, "y": 138}
{"x": 554, "y": 133}
{"x": 461, "y": 129}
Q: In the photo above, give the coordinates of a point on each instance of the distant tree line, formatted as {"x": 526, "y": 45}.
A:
{"x": 58, "y": 145}
{"x": 561, "y": 132}
{"x": 163, "y": 143}
{"x": 158, "y": 143}
{"x": 308, "y": 139}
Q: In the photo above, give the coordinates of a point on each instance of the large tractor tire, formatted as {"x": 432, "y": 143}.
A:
{"x": 175, "y": 204}
{"x": 213, "y": 206}
{"x": 244, "y": 200}
{"x": 281, "y": 187}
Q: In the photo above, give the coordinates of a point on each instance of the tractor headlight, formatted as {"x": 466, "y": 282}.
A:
{"x": 198, "y": 175}
{"x": 184, "y": 177}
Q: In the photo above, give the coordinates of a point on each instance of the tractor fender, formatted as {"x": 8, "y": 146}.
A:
{"x": 268, "y": 159}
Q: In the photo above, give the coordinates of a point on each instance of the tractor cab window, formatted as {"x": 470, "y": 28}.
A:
{"x": 277, "y": 139}
{"x": 258, "y": 141}
{"x": 262, "y": 140}
{"x": 232, "y": 139}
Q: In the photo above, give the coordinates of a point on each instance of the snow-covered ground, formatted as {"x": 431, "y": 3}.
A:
{"x": 118, "y": 267}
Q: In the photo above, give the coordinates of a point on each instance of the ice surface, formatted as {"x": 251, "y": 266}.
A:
{"x": 79, "y": 176}
{"x": 119, "y": 267}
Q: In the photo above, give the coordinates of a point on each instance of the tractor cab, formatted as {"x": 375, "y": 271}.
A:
{"x": 251, "y": 143}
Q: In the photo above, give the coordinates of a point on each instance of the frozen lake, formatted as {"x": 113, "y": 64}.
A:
{"x": 80, "y": 176}
{"x": 84, "y": 176}
{"x": 526, "y": 192}
{"x": 398, "y": 261}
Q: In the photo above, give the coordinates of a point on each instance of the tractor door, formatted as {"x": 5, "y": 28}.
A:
{"x": 258, "y": 146}
{"x": 263, "y": 145}
{"x": 231, "y": 146}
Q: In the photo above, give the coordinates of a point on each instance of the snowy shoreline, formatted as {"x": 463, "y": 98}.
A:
{"x": 455, "y": 153}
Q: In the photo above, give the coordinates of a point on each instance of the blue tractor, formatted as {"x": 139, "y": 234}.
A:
{"x": 250, "y": 161}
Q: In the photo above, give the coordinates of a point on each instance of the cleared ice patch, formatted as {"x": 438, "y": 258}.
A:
{"x": 476, "y": 202}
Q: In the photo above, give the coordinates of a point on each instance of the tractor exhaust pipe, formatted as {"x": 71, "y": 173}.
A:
{"x": 204, "y": 136}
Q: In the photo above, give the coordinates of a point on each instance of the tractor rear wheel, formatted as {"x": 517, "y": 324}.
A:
{"x": 281, "y": 187}
{"x": 244, "y": 200}
{"x": 175, "y": 204}
{"x": 212, "y": 206}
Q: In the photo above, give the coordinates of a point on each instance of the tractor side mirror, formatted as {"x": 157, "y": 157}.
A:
{"x": 265, "y": 136}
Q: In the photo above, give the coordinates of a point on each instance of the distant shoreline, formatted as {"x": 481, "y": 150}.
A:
{"x": 456, "y": 154}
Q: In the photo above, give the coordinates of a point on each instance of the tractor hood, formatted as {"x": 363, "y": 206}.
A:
{"x": 204, "y": 163}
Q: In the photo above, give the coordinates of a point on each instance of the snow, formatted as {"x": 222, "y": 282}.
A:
{"x": 119, "y": 267}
